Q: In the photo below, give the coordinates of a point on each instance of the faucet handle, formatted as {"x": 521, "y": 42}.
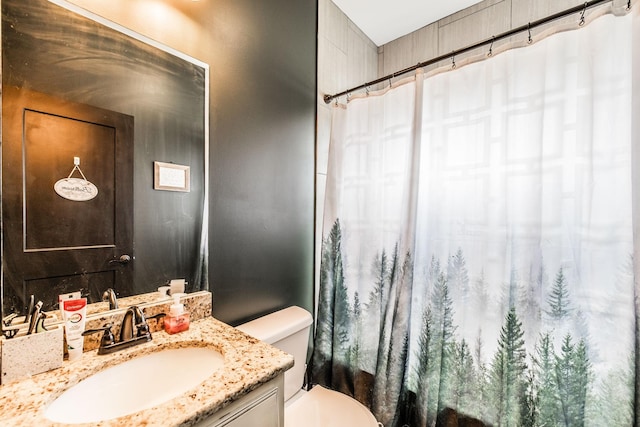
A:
{"x": 107, "y": 337}
{"x": 156, "y": 316}
{"x": 143, "y": 326}
{"x": 140, "y": 321}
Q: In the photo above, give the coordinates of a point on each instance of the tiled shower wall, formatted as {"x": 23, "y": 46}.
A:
{"x": 347, "y": 58}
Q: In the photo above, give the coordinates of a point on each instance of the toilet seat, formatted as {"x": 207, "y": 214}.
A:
{"x": 321, "y": 407}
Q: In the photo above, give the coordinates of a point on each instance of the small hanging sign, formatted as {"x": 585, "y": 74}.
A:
{"x": 75, "y": 189}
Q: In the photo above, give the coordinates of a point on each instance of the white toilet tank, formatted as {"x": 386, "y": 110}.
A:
{"x": 287, "y": 330}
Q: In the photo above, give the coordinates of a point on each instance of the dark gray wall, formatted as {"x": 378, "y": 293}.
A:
{"x": 263, "y": 98}
{"x": 262, "y": 58}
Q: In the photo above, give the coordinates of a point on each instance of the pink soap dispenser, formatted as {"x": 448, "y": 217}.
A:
{"x": 177, "y": 320}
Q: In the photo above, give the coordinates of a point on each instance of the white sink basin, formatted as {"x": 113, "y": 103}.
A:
{"x": 135, "y": 385}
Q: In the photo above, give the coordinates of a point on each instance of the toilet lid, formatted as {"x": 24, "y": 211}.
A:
{"x": 321, "y": 407}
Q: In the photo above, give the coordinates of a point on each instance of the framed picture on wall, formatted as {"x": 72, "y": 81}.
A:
{"x": 171, "y": 177}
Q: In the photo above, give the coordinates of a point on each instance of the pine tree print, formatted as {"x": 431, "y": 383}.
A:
{"x": 389, "y": 283}
{"x": 441, "y": 351}
{"x": 393, "y": 350}
{"x": 573, "y": 376}
{"x": 421, "y": 375}
{"x": 529, "y": 402}
{"x": 331, "y": 285}
{"x": 614, "y": 407}
{"x": 373, "y": 309}
{"x": 363, "y": 341}
{"x": 529, "y": 304}
{"x": 479, "y": 407}
{"x": 458, "y": 277}
{"x": 558, "y": 300}
{"x": 380, "y": 292}
{"x": 546, "y": 385}
{"x": 434, "y": 273}
{"x": 356, "y": 332}
{"x": 508, "y": 373}
{"x": 463, "y": 377}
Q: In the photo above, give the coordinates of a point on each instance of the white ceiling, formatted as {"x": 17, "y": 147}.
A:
{"x": 384, "y": 20}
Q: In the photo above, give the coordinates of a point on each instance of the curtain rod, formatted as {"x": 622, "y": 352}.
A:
{"x": 581, "y": 8}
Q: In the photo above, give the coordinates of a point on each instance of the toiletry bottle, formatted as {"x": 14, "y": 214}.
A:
{"x": 178, "y": 319}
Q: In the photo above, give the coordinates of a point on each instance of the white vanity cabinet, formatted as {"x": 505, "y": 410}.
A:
{"x": 262, "y": 407}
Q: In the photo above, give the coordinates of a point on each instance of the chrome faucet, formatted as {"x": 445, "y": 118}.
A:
{"x": 134, "y": 330}
{"x": 110, "y": 295}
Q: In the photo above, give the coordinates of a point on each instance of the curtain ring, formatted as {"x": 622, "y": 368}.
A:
{"x": 490, "y": 53}
{"x": 348, "y": 97}
{"x": 453, "y": 60}
{"x": 581, "y": 23}
{"x": 530, "y": 40}
{"x": 366, "y": 88}
{"x": 628, "y": 5}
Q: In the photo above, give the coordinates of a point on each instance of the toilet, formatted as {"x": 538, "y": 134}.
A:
{"x": 288, "y": 330}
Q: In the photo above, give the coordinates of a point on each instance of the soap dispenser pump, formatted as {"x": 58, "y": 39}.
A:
{"x": 178, "y": 319}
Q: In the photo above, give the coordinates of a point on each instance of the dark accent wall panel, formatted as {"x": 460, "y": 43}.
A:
{"x": 262, "y": 58}
{"x": 263, "y": 98}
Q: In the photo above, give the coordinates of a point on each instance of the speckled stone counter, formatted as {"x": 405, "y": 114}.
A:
{"x": 248, "y": 363}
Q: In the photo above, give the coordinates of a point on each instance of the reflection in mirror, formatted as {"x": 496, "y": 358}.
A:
{"x": 86, "y": 101}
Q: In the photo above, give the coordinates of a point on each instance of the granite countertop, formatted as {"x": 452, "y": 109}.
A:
{"x": 248, "y": 363}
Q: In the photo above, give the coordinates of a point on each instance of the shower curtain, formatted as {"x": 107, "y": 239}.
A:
{"x": 478, "y": 244}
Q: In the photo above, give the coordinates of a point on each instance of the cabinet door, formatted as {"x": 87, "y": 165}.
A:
{"x": 261, "y": 412}
{"x": 263, "y": 407}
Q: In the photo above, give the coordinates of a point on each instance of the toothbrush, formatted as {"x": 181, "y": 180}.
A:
{"x": 27, "y": 317}
{"x": 35, "y": 315}
{"x": 40, "y": 323}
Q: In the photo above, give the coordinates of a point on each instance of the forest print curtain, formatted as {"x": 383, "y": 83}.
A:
{"x": 478, "y": 251}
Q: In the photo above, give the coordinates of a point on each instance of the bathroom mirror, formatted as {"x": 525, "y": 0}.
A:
{"x": 86, "y": 100}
